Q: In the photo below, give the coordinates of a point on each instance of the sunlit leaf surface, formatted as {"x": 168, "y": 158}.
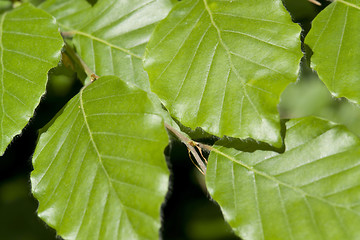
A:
{"x": 222, "y": 65}
{"x": 334, "y": 39}
{"x": 30, "y": 46}
{"x": 111, "y": 36}
{"x": 311, "y": 191}
{"x": 99, "y": 171}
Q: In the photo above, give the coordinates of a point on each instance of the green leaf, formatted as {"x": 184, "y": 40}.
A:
{"x": 30, "y": 46}
{"x": 5, "y": 5}
{"x": 99, "y": 171}
{"x": 74, "y": 15}
{"x": 111, "y": 36}
{"x": 222, "y": 65}
{"x": 68, "y": 13}
{"x": 311, "y": 191}
{"x": 334, "y": 39}
{"x": 308, "y": 96}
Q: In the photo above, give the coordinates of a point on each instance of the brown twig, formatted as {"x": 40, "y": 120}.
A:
{"x": 69, "y": 34}
{"x": 190, "y": 146}
{"x": 315, "y": 2}
{"x": 200, "y": 151}
{"x": 195, "y": 163}
{"x": 76, "y": 58}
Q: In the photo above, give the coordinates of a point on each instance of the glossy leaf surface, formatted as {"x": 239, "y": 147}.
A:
{"x": 111, "y": 36}
{"x": 30, "y": 46}
{"x": 68, "y": 13}
{"x": 311, "y": 191}
{"x": 99, "y": 171}
{"x": 222, "y": 65}
{"x": 334, "y": 39}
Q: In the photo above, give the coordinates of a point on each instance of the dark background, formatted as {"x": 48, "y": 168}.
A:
{"x": 188, "y": 212}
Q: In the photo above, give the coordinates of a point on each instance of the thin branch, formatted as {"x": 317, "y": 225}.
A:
{"x": 189, "y": 144}
{"x": 69, "y": 34}
{"x": 77, "y": 59}
{"x": 315, "y": 2}
{"x": 200, "y": 151}
{"x": 195, "y": 163}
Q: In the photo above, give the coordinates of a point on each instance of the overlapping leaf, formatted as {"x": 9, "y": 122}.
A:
{"x": 99, "y": 171}
{"x": 113, "y": 26}
{"x": 311, "y": 191}
{"x": 334, "y": 39}
{"x": 30, "y": 46}
{"x": 222, "y": 65}
{"x": 69, "y": 14}
{"x": 111, "y": 36}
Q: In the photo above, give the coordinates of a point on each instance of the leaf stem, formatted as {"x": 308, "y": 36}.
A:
{"x": 315, "y": 2}
{"x": 77, "y": 59}
{"x": 190, "y": 146}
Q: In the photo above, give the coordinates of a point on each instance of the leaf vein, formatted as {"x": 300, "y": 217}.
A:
{"x": 174, "y": 27}
{"x": 256, "y": 38}
{"x": 206, "y": 80}
{"x": 26, "y": 55}
{"x": 122, "y": 18}
{"x": 224, "y": 96}
{"x": 87, "y": 203}
{"x": 341, "y": 171}
{"x": 149, "y": 191}
{"x": 97, "y": 151}
{"x": 125, "y": 136}
{"x": 273, "y": 179}
{"x": 71, "y": 190}
{"x": 311, "y": 213}
{"x": 229, "y": 53}
{"x": 323, "y": 30}
{"x": 252, "y": 19}
{"x": 2, "y": 78}
{"x": 190, "y": 65}
{"x": 93, "y": 38}
{"x": 349, "y": 4}
{"x": 20, "y": 76}
{"x": 284, "y": 212}
{"x": 67, "y": 165}
{"x": 30, "y": 35}
{"x": 339, "y": 50}
{"x": 180, "y": 46}
{"x": 57, "y": 130}
{"x": 57, "y": 151}
{"x": 132, "y": 161}
{"x": 258, "y": 206}
{"x": 112, "y": 96}
{"x": 15, "y": 97}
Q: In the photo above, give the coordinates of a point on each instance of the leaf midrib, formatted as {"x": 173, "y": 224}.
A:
{"x": 92, "y": 138}
{"x": 228, "y": 53}
{"x": 2, "y": 79}
{"x": 99, "y": 156}
{"x": 349, "y": 4}
{"x": 339, "y": 50}
{"x": 271, "y": 178}
{"x": 110, "y": 180}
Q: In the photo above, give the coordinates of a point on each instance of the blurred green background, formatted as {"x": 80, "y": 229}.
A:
{"x": 188, "y": 212}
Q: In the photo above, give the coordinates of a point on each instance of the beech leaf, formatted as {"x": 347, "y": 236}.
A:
{"x": 99, "y": 170}
{"x": 311, "y": 191}
{"x": 334, "y": 39}
{"x": 222, "y": 65}
{"x": 30, "y": 45}
{"x": 111, "y": 36}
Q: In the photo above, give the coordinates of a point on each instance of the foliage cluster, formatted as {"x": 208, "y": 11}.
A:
{"x": 274, "y": 97}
